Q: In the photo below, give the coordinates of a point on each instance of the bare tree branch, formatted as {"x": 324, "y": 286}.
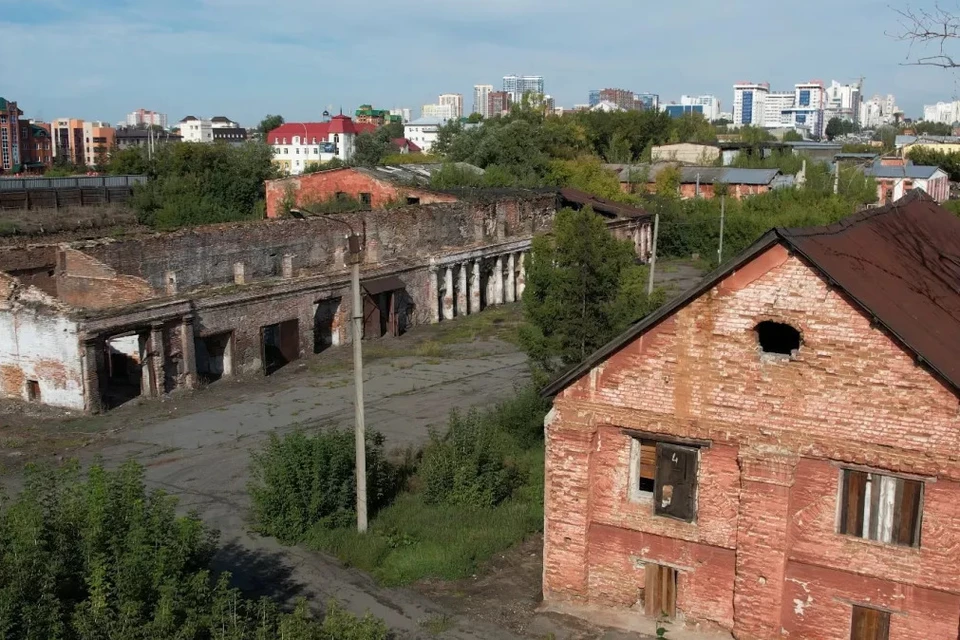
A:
{"x": 934, "y": 32}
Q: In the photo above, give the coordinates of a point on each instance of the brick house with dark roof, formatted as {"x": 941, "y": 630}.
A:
{"x": 774, "y": 453}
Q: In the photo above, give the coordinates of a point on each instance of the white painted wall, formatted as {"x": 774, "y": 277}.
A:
{"x": 46, "y": 348}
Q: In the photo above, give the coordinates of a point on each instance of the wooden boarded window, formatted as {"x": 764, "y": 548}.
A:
{"x": 675, "y": 486}
{"x": 880, "y": 507}
{"x": 869, "y": 624}
{"x": 659, "y": 591}
{"x": 643, "y": 469}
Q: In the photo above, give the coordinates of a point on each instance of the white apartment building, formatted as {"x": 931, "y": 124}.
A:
{"x": 297, "y": 144}
{"x": 454, "y": 100}
{"x": 710, "y": 105}
{"x": 942, "y": 112}
{"x": 807, "y": 112}
{"x": 145, "y": 116}
{"x": 193, "y": 129}
{"x": 749, "y": 103}
{"x": 423, "y": 131}
{"x": 435, "y": 111}
{"x": 480, "y": 94}
{"x": 519, "y": 86}
{"x": 776, "y": 109}
{"x": 878, "y": 111}
{"x": 843, "y": 101}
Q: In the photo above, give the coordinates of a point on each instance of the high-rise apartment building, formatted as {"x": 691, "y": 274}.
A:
{"x": 776, "y": 109}
{"x": 403, "y": 113}
{"x": 453, "y": 100}
{"x": 519, "y": 86}
{"x": 878, "y": 111}
{"x": 498, "y": 103}
{"x": 623, "y": 98}
{"x": 843, "y": 101}
{"x": 942, "y": 112}
{"x": 142, "y": 117}
{"x": 648, "y": 101}
{"x": 9, "y": 136}
{"x": 593, "y": 98}
{"x": 481, "y": 93}
{"x": 749, "y": 102}
{"x": 807, "y": 111}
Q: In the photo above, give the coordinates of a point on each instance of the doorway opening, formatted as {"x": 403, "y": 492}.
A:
{"x": 324, "y": 314}
{"x": 214, "y": 356}
{"x": 280, "y": 345}
{"x": 124, "y": 360}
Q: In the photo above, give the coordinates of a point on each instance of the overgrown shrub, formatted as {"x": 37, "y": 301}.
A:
{"x": 100, "y": 558}
{"x": 474, "y": 463}
{"x": 301, "y": 480}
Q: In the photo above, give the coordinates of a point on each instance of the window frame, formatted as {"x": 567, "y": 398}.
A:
{"x": 868, "y": 510}
{"x": 665, "y": 445}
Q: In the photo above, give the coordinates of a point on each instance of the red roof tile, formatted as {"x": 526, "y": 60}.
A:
{"x": 405, "y": 142}
{"x": 306, "y": 130}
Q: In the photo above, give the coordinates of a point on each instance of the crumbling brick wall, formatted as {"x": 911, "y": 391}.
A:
{"x": 324, "y": 186}
{"x": 32, "y": 265}
{"x": 763, "y": 554}
{"x": 85, "y": 282}
{"x": 206, "y": 256}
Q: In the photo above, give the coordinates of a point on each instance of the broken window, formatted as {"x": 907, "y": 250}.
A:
{"x": 777, "y": 338}
{"x": 33, "y": 391}
{"x": 666, "y": 474}
{"x": 869, "y": 624}
{"x": 881, "y": 507}
{"x": 413, "y": 200}
{"x": 366, "y": 199}
{"x": 659, "y": 591}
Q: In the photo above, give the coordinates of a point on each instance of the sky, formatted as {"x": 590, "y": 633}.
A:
{"x": 100, "y": 59}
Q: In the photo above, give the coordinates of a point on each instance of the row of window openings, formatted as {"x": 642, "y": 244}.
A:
{"x": 336, "y": 138}
{"x": 872, "y": 506}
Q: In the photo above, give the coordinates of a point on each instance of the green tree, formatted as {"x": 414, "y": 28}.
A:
{"x": 474, "y": 118}
{"x": 792, "y": 136}
{"x": 693, "y": 127}
{"x": 834, "y": 128}
{"x": 667, "y": 182}
{"x": 583, "y": 287}
{"x": 933, "y": 128}
{"x": 370, "y": 147}
{"x": 949, "y": 162}
{"x": 269, "y": 123}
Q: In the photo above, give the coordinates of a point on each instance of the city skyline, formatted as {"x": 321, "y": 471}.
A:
{"x": 258, "y": 67}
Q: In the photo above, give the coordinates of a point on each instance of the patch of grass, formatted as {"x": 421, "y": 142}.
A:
{"x": 437, "y": 624}
{"x": 501, "y": 323}
{"x": 411, "y": 540}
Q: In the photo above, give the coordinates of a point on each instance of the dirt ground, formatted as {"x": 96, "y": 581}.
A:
{"x": 197, "y": 446}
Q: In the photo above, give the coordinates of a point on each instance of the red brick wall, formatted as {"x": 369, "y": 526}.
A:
{"x": 85, "y": 282}
{"x": 324, "y": 185}
{"x": 768, "y": 483}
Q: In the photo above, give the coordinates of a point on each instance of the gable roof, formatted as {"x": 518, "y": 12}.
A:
{"x": 400, "y": 143}
{"x": 899, "y": 264}
{"x": 908, "y": 170}
{"x": 308, "y": 131}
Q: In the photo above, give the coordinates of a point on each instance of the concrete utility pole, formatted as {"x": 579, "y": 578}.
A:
{"x": 653, "y": 254}
{"x": 355, "y": 245}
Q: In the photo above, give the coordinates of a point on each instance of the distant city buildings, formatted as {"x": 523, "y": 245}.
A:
{"x": 424, "y": 131}
{"x": 498, "y": 103}
{"x": 519, "y": 86}
{"x": 441, "y": 111}
{"x": 454, "y": 101}
{"x": 623, "y": 99}
{"x": 9, "y": 136}
{"x": 142, "y": 117}
{"x": 36, "y": 145}
{"x": 481, "y": 94}
{"x": 843, "y": 101}
{"x": 801, "y": 109}
{"x": 942, "y": 112}
{"x": 129, "y": 137}
{"x": 878, "y": 111}
{"x": 707, "y": 106}
{"x": 68, "y": 140}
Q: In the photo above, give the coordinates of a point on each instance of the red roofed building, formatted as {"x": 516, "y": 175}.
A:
{"x": 405, "y": 145}
{"x": 295, "y": 144}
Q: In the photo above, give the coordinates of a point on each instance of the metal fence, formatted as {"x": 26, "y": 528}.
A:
{"x": 79, "y": 182}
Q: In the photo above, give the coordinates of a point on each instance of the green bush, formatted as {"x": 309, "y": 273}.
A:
{"x": 300, "y": 480}
{"x": 100, "y": 558}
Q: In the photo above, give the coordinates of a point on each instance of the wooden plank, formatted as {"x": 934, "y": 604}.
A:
{"x": 668, "y": 601}
{"x": 648, "y": 459}
{"x": 676, "y": 481}
{"x": 851, "y": 510}
{"x": 665, "y": 437}
{"x": 907, "y": 529}
{"x": 874, "y": 526}
{"x": 651, "y": 589}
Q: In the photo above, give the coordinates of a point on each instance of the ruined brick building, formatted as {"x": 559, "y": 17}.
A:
{"x": 90, "y": 324}
{"x": 775, "y": 453}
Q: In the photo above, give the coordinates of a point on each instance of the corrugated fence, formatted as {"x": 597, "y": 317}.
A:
{"x": 78, "y": 182}
{"x": 54, "y": 193}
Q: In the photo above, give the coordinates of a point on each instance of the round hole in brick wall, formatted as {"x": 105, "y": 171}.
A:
{"x": 777, "y": 338}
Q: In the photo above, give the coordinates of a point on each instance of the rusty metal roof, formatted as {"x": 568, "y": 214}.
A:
{"x": 900, "y": 264}
{"x": 603, "y": 206}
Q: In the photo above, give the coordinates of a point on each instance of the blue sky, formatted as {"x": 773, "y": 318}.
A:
{"x": 99, "y": 59}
